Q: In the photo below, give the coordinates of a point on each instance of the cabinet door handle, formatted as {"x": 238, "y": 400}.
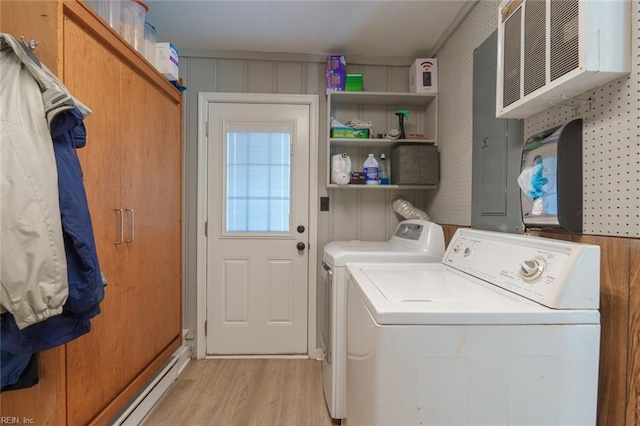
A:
{"x": 132, "y": 226}
{"x": 121, "y": 211}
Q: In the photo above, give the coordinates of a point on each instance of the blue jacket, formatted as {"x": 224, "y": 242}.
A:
{"x": 86, "y": 287}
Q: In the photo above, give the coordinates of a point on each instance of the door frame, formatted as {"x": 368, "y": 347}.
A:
{"x": 204, "y": 98}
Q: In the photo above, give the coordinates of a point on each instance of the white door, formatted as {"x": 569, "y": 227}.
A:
{"x": 258, "y": 204}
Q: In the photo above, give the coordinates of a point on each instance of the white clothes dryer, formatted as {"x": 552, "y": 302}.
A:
{"x": 412, "y": 241}
{"x": 505, "y": 331}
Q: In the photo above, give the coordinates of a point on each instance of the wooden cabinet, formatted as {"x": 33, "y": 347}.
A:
{"x": 132, "y": 162}
{"x": 379, "y": 108}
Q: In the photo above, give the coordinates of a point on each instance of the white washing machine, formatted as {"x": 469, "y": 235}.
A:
{"x": 506, "y": 331}
{"x": 412, "y": 241}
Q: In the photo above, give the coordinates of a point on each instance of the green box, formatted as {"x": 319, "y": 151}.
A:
{"x": 349, "y": 132}
{"x": 354, "y": 83}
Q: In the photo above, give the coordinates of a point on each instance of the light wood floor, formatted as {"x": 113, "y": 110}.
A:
{"x": 245, "y": 392}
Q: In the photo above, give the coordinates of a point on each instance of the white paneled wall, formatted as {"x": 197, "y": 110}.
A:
{"x": 611, "y": 138}
{"x": 364, "y": 215}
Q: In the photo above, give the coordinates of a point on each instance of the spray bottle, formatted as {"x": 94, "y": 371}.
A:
{"x": 383, "y": 172}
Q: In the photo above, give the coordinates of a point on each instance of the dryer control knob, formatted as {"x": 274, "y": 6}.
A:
{"x": 532, "y": 269}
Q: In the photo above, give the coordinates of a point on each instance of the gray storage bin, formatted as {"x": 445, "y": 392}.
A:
{"x": 415, "y": 165}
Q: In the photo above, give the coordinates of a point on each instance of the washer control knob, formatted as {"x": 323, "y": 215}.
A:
{"x": 456, "y": 249}
{"x": 467, "y": 251}
{"x": 532, "y": 269}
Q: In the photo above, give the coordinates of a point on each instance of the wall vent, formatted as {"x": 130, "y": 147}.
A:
{"x": 550, "y": 51}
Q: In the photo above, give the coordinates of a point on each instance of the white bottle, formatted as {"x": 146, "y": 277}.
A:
{"x": 384, "y": 173}
{"x": 371, "y": 170}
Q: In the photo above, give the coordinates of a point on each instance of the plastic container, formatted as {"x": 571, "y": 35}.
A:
{"x": 132, "y": 18}
{"x": 109, "y": 10}
{"x": 371, "y": 170}
{"x": 383, "y": 171}
{"x": 149, "y": 42}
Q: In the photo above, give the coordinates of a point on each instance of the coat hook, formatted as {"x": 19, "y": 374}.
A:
{"x": 31, "y": 44}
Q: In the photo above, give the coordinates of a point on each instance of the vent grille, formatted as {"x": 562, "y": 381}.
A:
{"x": 511, "y": 71}
{"x": 564, "y": 37}
{"x": 535, "y": 38}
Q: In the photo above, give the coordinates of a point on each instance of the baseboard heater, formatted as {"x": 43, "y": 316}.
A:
{"x": 140, "y": 408}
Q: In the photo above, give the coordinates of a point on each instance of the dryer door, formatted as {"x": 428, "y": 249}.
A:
{"x": 326, "y": 283}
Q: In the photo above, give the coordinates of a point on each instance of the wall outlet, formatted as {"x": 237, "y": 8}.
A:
{"x": 324, "y": 204}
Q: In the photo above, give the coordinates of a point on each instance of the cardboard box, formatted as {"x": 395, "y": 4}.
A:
{"x": 415, "y": 164}
{"x": 423, "y": 76}
{"x": 336, "y": 78}
{"x": 358, "y": 178}
{"x": 167, "y": 60}
{"x": 354, "y": 83}
{"x": 349, "y": 132}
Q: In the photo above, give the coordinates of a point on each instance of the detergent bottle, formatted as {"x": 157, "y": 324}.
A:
{"x": 371, "y": 170}
{"x": 341, "y": 169}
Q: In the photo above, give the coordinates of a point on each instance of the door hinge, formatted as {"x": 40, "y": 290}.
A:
{"x": 206, "y": 228}
{"x": 205, "y": 328}
{"x": 206, "y": 129}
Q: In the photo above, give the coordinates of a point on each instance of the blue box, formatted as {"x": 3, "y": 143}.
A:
{"x": 336, "y": 78}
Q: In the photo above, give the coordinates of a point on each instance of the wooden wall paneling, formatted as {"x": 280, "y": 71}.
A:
{"x": 449, "y": 232}
{"x": 44, "y": 403}
{"x": 551, "y": 233}
{"x": 614, "y": 331}
{"x": 35, "y": 20}
{"x": 633, "y": 367}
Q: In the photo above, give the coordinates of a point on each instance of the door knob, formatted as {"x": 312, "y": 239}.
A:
{"x": 300, "y": 246}
{"x": 300, "y": 229}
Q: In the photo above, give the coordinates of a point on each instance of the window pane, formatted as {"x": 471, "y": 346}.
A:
{"x": 258, "y": 181}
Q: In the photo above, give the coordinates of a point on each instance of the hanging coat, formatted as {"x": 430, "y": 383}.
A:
{"x": 85, "y": 282}
{"x": 33, "y": 271}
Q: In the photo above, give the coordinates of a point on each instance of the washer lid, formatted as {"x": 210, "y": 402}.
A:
{"x": 338, "y": 253}
{"x": 420, "y": 294}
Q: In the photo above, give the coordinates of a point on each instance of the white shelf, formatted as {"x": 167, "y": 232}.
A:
{"x": 376, "y": 143}
{"x": 380, "y": 187}
{"x": 381, "y": 98}
{"x": 380, "y": 108}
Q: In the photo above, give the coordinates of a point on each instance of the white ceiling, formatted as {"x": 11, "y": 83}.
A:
{"x": 382, "y": 28}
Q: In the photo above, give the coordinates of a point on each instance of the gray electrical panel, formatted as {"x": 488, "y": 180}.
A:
{"x": 497, "y": 151}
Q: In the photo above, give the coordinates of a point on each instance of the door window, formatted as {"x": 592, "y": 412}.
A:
{"x": 258, "y": 182}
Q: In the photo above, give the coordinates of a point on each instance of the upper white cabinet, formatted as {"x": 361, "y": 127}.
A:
{"x": 550, "y": 51}
{"x": 379, "y": 108}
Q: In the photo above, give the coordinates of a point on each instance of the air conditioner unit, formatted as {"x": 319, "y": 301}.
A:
{"x": 550, "y": 51}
